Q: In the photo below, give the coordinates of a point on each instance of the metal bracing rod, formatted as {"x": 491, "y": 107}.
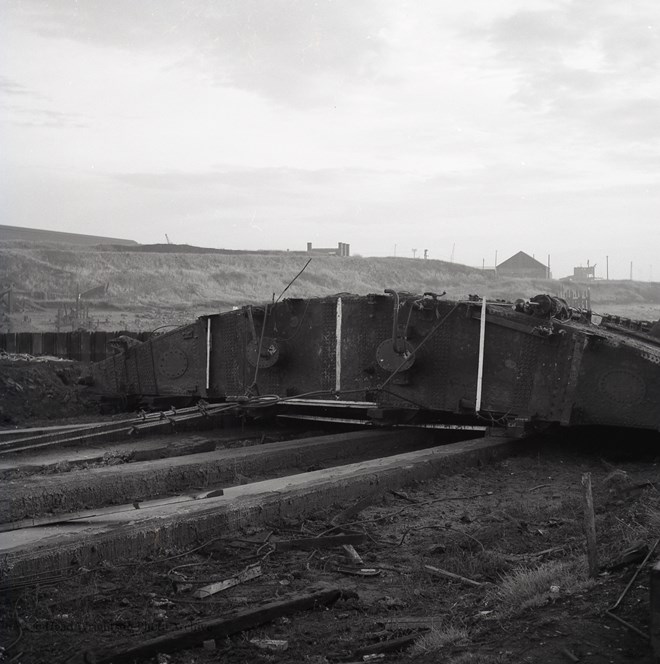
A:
{"x": 398, "y": 348}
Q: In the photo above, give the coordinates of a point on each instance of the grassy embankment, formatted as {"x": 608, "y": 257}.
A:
{"x": 219, "y": 281}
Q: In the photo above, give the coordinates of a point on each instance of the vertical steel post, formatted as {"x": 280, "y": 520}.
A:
{"x": 338, "y": 346}
{"x": 480, "y": 370}
{"x": 208, "y": 354}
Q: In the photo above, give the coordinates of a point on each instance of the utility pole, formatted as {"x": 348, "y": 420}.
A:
{"x": 414, "y": 253}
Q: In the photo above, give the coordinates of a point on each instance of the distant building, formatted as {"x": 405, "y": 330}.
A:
{"x": 584, "y": 273}
{"x": 39, "y": 235}
{"x": 523, "y": 265}
{"x": 342, "y": 249}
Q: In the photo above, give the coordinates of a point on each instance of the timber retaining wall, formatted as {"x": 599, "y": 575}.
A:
{"x": 82, "y": 345}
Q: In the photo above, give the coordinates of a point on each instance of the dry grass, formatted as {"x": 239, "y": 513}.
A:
{"x": 527, "y": 587}
{"x": 230, "y": 279}
{"x": 437, "y": 639}
{"x": 479, "y": 565}
{"x": 640, "y": 523}
{"x": 646, "y": 515}
{"x": 485, "y": 658}
{"x": 651, "y": 515}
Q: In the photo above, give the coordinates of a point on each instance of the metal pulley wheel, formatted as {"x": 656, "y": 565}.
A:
{"x": 270, "y": 353}
{"x": 390, "y": 360}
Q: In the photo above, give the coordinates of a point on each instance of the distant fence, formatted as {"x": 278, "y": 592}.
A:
{"x": 81, "y": 346}
{"x": 578, "y": 298}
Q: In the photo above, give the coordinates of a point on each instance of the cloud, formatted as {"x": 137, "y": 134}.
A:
{"x": 34, "y": 117}
{"x": 517, "y": 122}
{"x": 293, "y": 51}
{"x": 275, "y": 193}
{"x": 10, "y": 87}
{"x": 26, "y": 107}
{"x": 587, "y": 63}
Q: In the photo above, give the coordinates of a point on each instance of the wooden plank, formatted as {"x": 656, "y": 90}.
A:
{"x": 85, "y": 347}
{"x": 50, "y": 343}
{"x": 24, "y": 343}
{"x": 99, "y": 350}
{"x": 11, "y": 342}
{"x": 353, "y": 554}
{"x": 400, "y": 623}
{"x": 61, "y": 345}
{"x": 436, "y": 571}
{"x": 204, "y": 630}
{"x": 590, "y": 525}
{"x": 311, "y": 543}
{"x": 387, "y": 646}
{"x": 37, "y": 343}
{"x": 247, "y": 574}
{"x": 179, "y": 448}
{"x": 73, "y": 345}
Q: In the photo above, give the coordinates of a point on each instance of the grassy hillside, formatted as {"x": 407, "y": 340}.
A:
{"x": 222, "y": 280}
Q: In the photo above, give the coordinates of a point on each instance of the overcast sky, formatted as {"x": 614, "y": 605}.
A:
{"x": 484, "y": 125}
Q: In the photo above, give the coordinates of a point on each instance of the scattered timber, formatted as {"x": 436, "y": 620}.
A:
{"x": 218, "y": 628}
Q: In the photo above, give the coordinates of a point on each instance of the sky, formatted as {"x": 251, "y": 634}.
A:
{"x": 472, "y": 129}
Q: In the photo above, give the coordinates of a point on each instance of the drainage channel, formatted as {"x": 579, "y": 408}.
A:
{"x": 359, "y": 464}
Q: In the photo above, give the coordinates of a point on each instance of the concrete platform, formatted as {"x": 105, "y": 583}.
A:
{"x": 136, "y": 533}
{"x": 36, "y": 495}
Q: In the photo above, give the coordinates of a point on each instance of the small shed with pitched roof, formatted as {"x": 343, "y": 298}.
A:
{"x": 522, "y": 265}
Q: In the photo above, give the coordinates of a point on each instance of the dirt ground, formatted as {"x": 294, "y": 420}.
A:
{"x": 34, "y": 391}
{"x": 515, "y": 528}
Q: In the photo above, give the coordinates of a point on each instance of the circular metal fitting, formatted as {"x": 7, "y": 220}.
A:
{"x": 270, "y": 353}
{"x": 390, "y": 360}
{"x": 622, "y": 386}
{"x": 173, "y": 363}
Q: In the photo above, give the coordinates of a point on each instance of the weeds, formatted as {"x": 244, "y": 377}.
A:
{"x": 527, "y": 587}
{"x": 640, "y": 523}
{"x": 476, "y": 565}
{"x": 437, "y": 639}
{"x": 477, "y": 658}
